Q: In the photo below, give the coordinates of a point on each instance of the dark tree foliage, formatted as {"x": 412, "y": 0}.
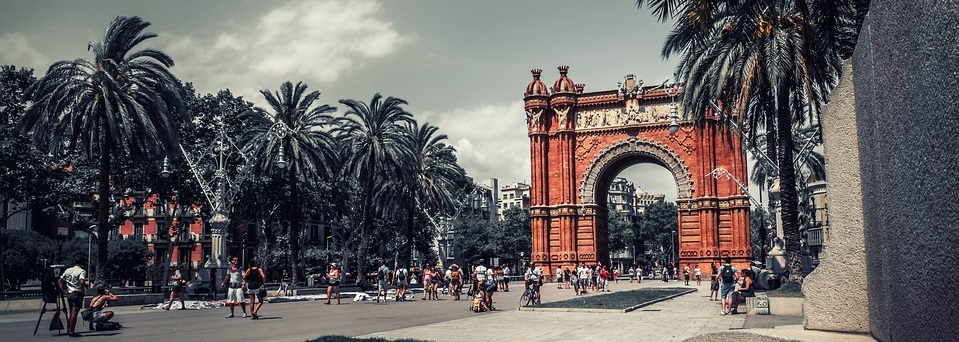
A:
{"x": 655, "y": 226}
{"x": 622, "y": 231}
{"x": 24, "y": 253}
{"x": 128, "y": 259}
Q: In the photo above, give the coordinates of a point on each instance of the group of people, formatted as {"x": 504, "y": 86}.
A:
{"x": 72, "y": 282}
{"x": 731, "y": 287}
{"x": 583, "y": 278}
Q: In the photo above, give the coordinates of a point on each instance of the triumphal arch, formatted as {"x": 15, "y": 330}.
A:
{"x": 580, "y": 141}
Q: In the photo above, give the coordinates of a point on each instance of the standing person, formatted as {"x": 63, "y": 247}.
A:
{"x": 713, "y": 288}
{"x": 72, "y": 282}
{"x": 665, "y": 274}
{"x": 604, "y": 278}
{"x": 559, "y": 277}
{"x": 727, "y": 276}
{"x": 699, "y": 275}
{"x": 333, "y": 284}
{"x": 632, "y": 274}
{"x": 234, "y": 293}
{"x": 177, "y": 290}
{"x": 285, "y": 280}
{"x": 500, "y": 278}
{"x": 427, "y": 276}
{"x": 401, "y": 279}
{"x": 382, "y": 281}
{"x": 567, "y": 274}
{"x": 254, "y": 279}
{"x": 506, "y": 272}
{"x": 686, "y": 274}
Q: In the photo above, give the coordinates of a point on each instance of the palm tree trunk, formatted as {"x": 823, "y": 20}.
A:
{"x": 104, "y": 203}
{"x": 367, "y": 219}
{"x": 787, "y": 187}
{"x": 408, "y": 251}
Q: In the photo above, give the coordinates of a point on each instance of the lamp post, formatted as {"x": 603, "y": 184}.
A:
{"x": 673, "y": 110}
{"x": 672, "y": 249}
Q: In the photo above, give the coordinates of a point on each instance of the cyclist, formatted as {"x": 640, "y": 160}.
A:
{"x": 534, "y": 279}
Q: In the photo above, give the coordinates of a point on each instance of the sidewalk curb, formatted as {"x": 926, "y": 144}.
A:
{"x": 629, "y": 309}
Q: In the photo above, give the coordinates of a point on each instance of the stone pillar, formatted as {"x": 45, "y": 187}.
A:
{"x": 218, "y": 225}
{"x": 836, "y": 296}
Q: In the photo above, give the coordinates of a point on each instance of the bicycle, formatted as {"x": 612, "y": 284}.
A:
{"x": 529, "y": 297}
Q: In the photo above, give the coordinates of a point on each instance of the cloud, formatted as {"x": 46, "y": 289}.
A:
{"x": 490, "y": 140}
{"x": 18, "y": 51}
{"x": 314, "y": 41}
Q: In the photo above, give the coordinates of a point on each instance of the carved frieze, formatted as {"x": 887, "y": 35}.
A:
{"x": 632, "y": 114}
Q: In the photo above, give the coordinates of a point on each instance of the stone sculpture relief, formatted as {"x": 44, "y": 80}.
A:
{"x": 629, "y": 115}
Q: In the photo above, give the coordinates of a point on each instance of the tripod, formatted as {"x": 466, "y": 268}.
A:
{"x": 61, "y": 303}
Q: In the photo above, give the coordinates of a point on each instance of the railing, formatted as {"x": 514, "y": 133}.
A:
{"x": 814, "y": 236}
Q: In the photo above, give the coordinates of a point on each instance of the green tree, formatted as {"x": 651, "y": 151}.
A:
{"x": 298, "y": 131}
{"x": 129, "y": 259}
{"x": 762, "y": 59}
{"x": 513, "y": 235}
{"x": 622, "y": 231}
{"x": 24, "y": 253}
{"x": 474, "y": 238}
{"x": 376, "y": 131}
{"x": 655, "y": 226}
{"x": 123, "y": 102}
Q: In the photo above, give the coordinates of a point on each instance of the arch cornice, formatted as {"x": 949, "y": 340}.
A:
{"x": 636, "y": 147}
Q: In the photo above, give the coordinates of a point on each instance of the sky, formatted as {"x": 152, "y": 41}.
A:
{"x": 461, "y": 65}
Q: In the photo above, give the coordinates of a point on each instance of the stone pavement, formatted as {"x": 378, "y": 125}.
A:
{"x": 676, "y": 319}
{"x": 445, "y": 320}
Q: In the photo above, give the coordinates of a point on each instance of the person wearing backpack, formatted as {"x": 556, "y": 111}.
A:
{"x": 401, "y": 281}
{"x": 727, "y": 285}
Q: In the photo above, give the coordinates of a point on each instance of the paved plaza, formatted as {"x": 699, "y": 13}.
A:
{"x": 444, "y": 320}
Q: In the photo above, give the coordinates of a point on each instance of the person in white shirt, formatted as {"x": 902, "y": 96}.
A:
{"x": 559, "y": 277}
{"x": 72, "y": 282}
{"x": 534, "y": 279}
{"x": 583, "y": 272}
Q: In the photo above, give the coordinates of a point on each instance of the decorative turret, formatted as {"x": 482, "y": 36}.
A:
{"x": 537, "y": 87}
{"x": 537, "y": 99}
{"x": 564, "y": 84}
{"x": 580, "y": 87}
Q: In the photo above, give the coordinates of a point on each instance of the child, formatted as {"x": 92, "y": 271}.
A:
{"x": 713, "y": 288}
{"x": 478, "y": 304}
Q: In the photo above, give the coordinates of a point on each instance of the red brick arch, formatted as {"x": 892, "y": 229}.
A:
{"x": 580, "y": 141}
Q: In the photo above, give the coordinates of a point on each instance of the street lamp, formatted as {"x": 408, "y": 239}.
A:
{"x": 673, "y": 110}
{"x": 280, "y": 162}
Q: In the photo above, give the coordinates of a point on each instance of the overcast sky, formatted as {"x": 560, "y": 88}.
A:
{"x": 461, "y": 65}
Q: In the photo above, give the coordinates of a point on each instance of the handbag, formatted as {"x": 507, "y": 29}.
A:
{"x": 87, "y": 313}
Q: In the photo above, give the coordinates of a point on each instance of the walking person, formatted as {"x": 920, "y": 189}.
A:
{"x": 72, "y": 282}
{"x": 233, "y": 282}
{"x": 333, "y": 284}
{"x": 401, "y": 280}
{"x": 665, "y": 274}
{"x": 686, "y": 274}
{"x": 727, "y": 277}
{"x": 382, "y": 281}
{"x": 254, "y": 279}
{"x": 632, "y": 274}
{"x": 456, "y": 281}
{"x": 178, "y": 282}
{"x": 583, "y": 278}
{"x": 427, "y": 277}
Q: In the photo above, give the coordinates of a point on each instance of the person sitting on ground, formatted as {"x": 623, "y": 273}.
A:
{"x": 98, "y": 316}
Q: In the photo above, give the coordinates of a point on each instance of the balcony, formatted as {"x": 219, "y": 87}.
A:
{"x": 814, "y": 237}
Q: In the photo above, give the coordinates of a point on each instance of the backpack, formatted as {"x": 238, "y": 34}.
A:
{"x": 401, "y": 274}
{"x": 106, "y": 326}
{"x": 380, "y": 274}
{"x": 728, "y": 275}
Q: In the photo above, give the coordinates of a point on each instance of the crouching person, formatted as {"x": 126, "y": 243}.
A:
{"x": 98, "y": 317}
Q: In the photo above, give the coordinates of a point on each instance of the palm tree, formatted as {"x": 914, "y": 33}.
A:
{"x": 432, "y": 174}
{"x": 762, "y": 60}
{"x": 123, "y": 102}
{"x": 297, "y": 131}
{"x": 376, "y": 131}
